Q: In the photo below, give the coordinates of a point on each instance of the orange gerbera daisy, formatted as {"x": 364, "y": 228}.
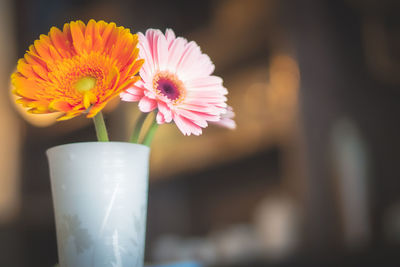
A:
{"x": 78, "y": 69}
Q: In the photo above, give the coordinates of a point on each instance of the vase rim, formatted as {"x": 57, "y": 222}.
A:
{"x": 96, "y": 143}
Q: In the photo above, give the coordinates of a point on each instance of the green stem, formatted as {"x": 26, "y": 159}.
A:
{"x": 150, "y": 133}
{"x": 138, "y": 127}
{"x": 101, "y": 130}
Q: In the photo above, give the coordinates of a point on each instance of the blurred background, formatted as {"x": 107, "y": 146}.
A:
{"x": 310, "y": 177}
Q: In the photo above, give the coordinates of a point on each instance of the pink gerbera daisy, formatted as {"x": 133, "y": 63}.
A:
{"x": 176, "y": 80}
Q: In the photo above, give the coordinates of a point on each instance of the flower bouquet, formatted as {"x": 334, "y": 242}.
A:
{"x": 100, "y": 188}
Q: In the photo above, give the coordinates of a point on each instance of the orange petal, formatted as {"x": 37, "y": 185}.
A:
{"x": 69, "y": 115}
{"x": 60, "y": 42}
{"x": 95, "y": 109}
{"x": 25, "y": 69}
{"x": 113, "y": 78}
{"x": 34, "y": 60}
{"x": 68, "y": 37}
{"x": 39, "y": 70}
{"x": 38, "y": 107}
{"x": 42, "y": 47}
{"x": 102, "y": 26}
{"x": 78, "y": 39}
{"x": 127, "y": 84}
{"x": 112, "y": 38}
{"x": 89, "y": 34}
{"x": 97, "y": 40}
{"x": 54, "y": 53}
{"x": 24, "y": 87}
{"x": 59, "y": 105}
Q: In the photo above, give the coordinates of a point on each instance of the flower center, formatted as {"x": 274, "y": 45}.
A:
{"x": 85, "y": 84}
{"x": 168, "y": 85}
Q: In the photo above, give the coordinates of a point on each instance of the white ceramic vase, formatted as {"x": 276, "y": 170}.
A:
{"x": 100, "y": 201}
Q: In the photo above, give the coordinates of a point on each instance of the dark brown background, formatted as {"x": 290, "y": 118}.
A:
{"x": 296, "y": 71}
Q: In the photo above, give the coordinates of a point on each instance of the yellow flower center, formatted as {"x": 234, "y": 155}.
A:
{"x": 85, "y": 84}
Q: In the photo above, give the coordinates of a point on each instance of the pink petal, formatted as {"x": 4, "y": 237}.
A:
{"x": 165, "y": 110}
{"x": 229, "y": 113}
{"x": 194, "y": 97}
{"x": 145, "y": 53}
{"x": 181, "y": 126}
{"x": 153, "y": 37}
{"x": 132, "y": 94}
{"x": 150, "y": 37}
{"x": 194, "y": 117}
{"x": 170, "y": 36}
{"x": 206, "y": 67}
{"x": 187, "y": 127}
{"x": 162, "y": 52}
{"x": 146, "y": 73}
{"x": 135, "y": 91}
{"x": 207, "y": 116}
{"x": 129, "y": 97}
{"x": 187, "y": 64}
{"x": 160, "y": 118}
{"x": 205, "y": 82}
{"x": 227, "y": 119}
{"x": 146, "y": 104}
{"x": 206, "y": 108}
{"x": 150, "y": 94}
{"x": 176, "y": 50}
{"x": 216, "y": 105}
{"x": 226, "y": 123}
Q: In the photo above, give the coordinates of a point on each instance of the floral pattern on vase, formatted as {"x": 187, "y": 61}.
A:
{"x": 71, "y": 227}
